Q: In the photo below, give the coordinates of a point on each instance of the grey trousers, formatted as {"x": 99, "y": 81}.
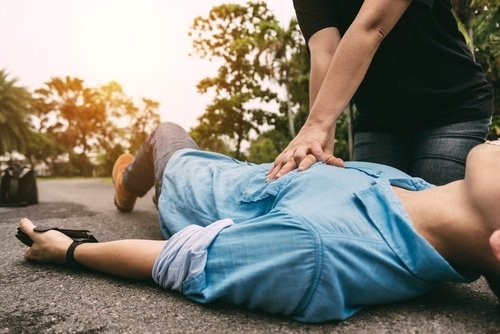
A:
{"x": 152, "y": 157}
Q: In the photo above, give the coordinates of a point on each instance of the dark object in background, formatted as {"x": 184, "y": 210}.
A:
{"x": 18, "y": 186}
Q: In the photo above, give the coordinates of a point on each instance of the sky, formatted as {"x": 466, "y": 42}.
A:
{"x": 142, "y": 44}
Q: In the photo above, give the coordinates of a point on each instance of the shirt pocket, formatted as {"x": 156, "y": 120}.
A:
{"x": 257, "y": 189}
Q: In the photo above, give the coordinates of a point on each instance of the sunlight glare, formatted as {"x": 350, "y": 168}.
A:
{"x": 123, "y": 38}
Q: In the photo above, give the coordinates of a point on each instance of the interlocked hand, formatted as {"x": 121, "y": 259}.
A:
{"x": 312, "y": 144}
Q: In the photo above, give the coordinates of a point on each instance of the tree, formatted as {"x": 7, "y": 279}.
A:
{"x": 42, "y": 147}
{"x": 263, "y": 149}
{"x": 262, "y": 62}
{"x": 284, "y": 55}
{"x": 72, "y": 114}
{"x": 144, "y": 120}
{"x": 230, "y": 33}
{"x": 90, "y": 124}
{"x": 15, "y": 105}
{"x": 127, "y": 125}
{"x": 208, "y": 139}
{"x": 113, "y": 135}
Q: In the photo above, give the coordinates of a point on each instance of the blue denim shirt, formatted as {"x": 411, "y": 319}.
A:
{"x": 316, "y": 245}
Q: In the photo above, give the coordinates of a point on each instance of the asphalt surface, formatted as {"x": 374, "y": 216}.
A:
{"x": 38, "y": 298}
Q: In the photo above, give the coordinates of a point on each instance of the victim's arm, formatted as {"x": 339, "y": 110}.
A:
{"x": 125, "y": 258}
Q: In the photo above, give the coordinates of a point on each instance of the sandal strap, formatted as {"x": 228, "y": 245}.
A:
{"x": 73, "y": 234}
{"x": 76, "y": 235}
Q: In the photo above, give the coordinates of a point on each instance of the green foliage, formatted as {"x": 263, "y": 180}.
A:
{"x": 70, "y": 112}
{"x": 495, "y": 126}
{"x": 480, "y": 20}
{"x": 262, "y": 150}
{"x": 107, "y": 157}
{"x": 15, "y": 104}
{"x": 290, "y": 63}
{"x": 262, "y": 62}
{"x": 209, "y": 140}
{"x": 244, "y": 38}
{"x": 486, "y": 27}
{"x": 42, "y": 147}
{"x": 267, "y": 146}
{"x": 146, "y": 119}
{"x": 88, "y": 125}
{"x": 127, "y": 125}
{"x": 341, "y": 137}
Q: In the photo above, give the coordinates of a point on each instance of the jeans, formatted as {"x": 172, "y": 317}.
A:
{"x": 147, "y": 169}
{"x": 435, "y": 154}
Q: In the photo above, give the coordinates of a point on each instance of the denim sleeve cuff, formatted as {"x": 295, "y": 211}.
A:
{"x": 185, "y": 254}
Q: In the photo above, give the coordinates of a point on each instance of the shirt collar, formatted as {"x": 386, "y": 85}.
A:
{"x": 411, "y": 183}
{"x": 387, "y": 213}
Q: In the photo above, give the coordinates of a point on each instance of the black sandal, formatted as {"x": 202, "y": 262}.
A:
{"x": 80, "y": 236}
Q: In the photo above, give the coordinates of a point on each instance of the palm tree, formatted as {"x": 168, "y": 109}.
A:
{"x": 14, "y": 108}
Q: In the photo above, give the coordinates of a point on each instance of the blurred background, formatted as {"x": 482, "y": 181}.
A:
{"x": 83, "y": 81}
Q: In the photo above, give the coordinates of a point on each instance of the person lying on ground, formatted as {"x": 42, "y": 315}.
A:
{"x": 316, "y": 245}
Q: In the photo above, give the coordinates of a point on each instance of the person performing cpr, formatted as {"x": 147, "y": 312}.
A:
{"x": 422, "y": 101}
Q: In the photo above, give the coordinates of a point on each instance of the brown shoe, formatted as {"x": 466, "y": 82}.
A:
{"x": 124, "y": 200}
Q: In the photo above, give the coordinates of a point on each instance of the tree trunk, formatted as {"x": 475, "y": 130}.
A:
{"x": 31, "y": 162}
{"x": 51, "y": 165}
{"x": 238, "y": 146}
{"x": 290, "y": 115}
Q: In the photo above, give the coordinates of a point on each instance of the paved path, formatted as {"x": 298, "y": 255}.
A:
{"x": 36, "y": 298}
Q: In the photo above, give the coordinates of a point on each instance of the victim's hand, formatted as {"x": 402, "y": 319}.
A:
{"x": 48, "y": 247}
{"x": 312, "y": 144}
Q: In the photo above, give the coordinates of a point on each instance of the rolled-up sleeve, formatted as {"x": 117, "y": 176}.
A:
{"x": 314, "y": 15}
{"x": 185, "y": 254}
